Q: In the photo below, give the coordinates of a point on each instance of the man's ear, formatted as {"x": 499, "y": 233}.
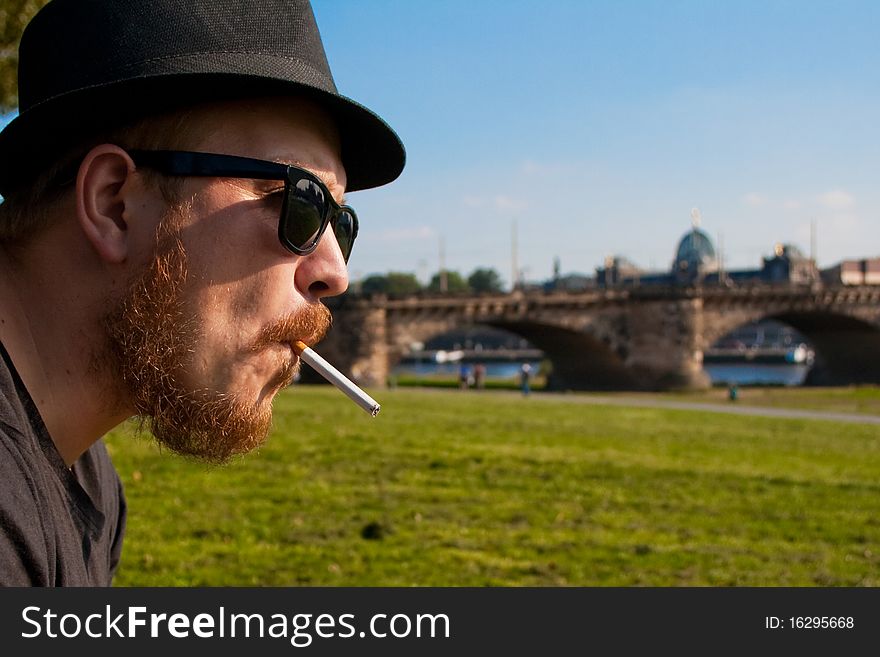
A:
{"x": 103, "y": 187}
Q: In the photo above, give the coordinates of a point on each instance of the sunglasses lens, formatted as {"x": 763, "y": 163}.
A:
{"x": 345, "y": 230}
{"x": 304, "y": 212}
{"x": 303, "y": 215}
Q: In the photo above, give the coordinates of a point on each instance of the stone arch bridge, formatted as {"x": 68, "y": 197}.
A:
{"x": 648, "y": 338}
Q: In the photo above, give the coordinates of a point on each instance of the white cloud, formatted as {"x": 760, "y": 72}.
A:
{"x": 550, "y": 169}
{"x": 508, "y": 203}
{"x": 531, "y": 167}
{"x": 791, "y": 204}
{"x": 754, "y": 199}
{"x": 499, "y": 203}
{"x": 837, "y": 199}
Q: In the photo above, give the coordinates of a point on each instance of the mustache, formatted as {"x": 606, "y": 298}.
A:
{"x": 309, "y": 325}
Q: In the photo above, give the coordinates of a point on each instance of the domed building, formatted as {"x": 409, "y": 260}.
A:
{"x": 695, "y": 258}
{"x": 697, "y": 263}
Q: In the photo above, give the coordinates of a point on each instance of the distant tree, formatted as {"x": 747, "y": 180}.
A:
{"x": 398, "y": 284}
{"x": 485, "y": 280}
{"x": 455, "y": 282}
{"x": 14, "y": 15}
{"x": 374, "y": 284}
{"x": 403, "y": 283}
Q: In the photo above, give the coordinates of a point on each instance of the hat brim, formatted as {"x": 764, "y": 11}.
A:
{"x": 372, "y": 153}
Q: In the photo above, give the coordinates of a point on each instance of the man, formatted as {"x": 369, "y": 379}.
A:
{"x": 173, "y": 217}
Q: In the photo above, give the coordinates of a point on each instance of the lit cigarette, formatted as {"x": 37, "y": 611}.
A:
{"x": 337, "y": 378}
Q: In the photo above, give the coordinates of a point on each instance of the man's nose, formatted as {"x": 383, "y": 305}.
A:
{"x": 323, "y": 273}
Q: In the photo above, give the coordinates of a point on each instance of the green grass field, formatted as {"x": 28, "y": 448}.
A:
{"x": 861, "y": 399}
{"x": 452, "y": 488}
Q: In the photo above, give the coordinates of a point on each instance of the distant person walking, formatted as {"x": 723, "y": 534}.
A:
{"x": 480, "y": 376}
{"x": 464, "y": 376}
{"x": 525, "y": 374}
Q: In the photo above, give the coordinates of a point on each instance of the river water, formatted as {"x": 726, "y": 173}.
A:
{"x": 720, "y": 374}
{"x": 493, "y": 370}
{"x": 761, "y": 374}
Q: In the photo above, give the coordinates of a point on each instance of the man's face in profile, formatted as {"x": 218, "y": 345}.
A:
{"x": 202, "y": 338}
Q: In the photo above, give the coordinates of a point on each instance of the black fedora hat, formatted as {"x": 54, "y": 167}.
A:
{"x": 87, "y": 65}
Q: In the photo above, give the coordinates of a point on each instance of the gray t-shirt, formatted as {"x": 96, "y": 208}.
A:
{"x": 58, "y": 526}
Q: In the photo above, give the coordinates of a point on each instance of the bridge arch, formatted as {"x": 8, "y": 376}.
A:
{"x": 580, "y": 359}
{"x": 847, "y": 345}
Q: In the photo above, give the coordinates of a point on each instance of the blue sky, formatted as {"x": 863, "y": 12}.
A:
{"x": 596, "y": 127}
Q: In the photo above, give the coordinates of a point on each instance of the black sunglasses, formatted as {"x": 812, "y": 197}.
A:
{"x": 308, "y": 207}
